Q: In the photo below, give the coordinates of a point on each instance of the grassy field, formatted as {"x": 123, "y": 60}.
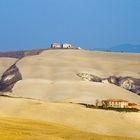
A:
{"x": 19, "y": 129}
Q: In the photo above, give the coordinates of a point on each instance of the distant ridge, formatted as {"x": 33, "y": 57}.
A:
{"x": 20, "y": 54}
{"x": 130, "y": 48}
{"x": 126, "y": 48}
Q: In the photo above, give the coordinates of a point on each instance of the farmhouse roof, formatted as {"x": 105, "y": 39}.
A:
{"x": 115, "y": 100}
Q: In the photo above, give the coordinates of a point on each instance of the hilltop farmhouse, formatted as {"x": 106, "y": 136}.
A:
{"x": 118, "y": 103}
{"x": 55, "y": 46}
{"x": 63, "y": 46}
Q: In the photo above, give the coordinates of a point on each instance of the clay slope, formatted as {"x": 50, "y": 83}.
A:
{"x": 128, "y": 83}
{"x": 9, "y": 78}
{"x": 52, "y": 75}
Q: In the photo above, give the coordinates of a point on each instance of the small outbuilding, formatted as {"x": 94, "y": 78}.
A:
{"x": 66, "y": 46}
{"x": 132, "y": 105}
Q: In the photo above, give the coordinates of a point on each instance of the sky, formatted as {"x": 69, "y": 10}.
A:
{"x": 31, "y": 24}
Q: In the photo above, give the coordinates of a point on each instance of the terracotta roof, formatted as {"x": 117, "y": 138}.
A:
{"x": 115, "y": 100}
{"x": 131, "y": 104}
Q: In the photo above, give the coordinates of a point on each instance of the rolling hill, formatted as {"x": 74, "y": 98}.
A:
{"x": 49, "y": 90}
{"x": 44, "y": 76}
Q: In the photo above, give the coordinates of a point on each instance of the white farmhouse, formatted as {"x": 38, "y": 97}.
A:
{"x": 115, "y": 103}
{"x": 66, "y": 46}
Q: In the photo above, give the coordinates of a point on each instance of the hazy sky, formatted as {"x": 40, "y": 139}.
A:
{"x": 27, "y": 24}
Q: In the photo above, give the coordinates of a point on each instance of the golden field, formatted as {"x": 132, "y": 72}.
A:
{"x": 76, "y": 116}
{"x": 20, "y": 129}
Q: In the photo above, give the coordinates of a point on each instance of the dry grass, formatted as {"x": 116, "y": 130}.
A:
{"x": 76, "y": 116}
{"x": 19, "y": 129}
